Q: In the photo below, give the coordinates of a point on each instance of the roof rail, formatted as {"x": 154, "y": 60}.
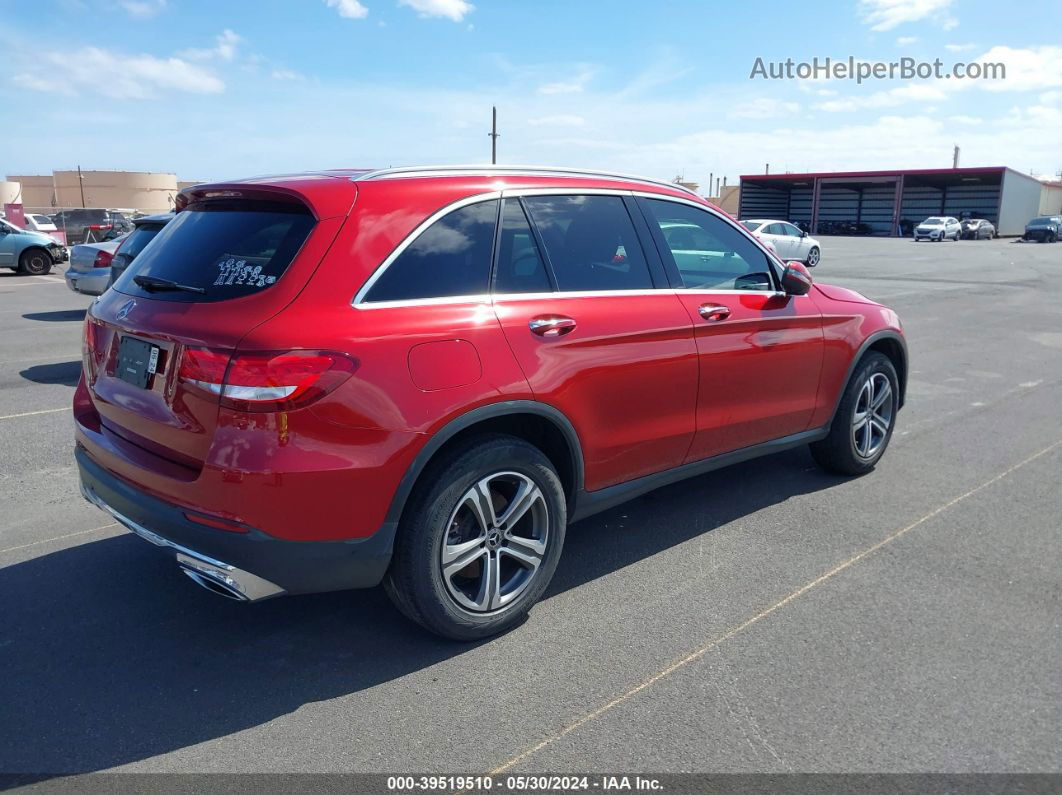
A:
{"x": 407, "y": 172}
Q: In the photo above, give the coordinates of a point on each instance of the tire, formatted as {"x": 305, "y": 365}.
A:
{"x": 35, "y": 262}
{"x": 855, "y": 449}
{"x": 813, "y": 257}
{"x": 442, "y": 512}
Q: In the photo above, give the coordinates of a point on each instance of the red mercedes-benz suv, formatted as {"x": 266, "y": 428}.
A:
{"x": 420, "y": 376}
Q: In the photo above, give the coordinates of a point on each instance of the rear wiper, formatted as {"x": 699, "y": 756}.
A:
{"x": 152, "y": 283}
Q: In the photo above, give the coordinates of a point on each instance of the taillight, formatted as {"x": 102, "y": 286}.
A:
{"x": 91, "y": 348}
{"x": 103, "y": 259}
{"x": 266, "y": 380}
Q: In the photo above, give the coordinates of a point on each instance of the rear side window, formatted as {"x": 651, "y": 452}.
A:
{"x": 229, "y": 249}
{"x": 590, "y": 242}
{"x": 449, "y": 258}
{"x": 520, "y": 267}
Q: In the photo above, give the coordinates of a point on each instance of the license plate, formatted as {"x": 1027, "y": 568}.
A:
{"x": 137, "y": 361}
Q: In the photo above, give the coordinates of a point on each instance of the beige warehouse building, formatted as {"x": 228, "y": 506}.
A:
{"x": 146, "y": 191}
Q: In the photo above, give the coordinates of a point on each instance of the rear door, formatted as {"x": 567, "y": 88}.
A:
{"x": 759, "y": 350}
{"x": 243, "y": 260}
{"x": 595, "y": 335}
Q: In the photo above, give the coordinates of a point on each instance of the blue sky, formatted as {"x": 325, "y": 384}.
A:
{"x": 211, "y": 90}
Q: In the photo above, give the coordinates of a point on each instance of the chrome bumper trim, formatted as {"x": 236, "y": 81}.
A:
{"x": 250, "y": 587}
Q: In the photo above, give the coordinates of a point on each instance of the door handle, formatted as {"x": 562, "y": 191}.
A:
{"x": 714, "y": 311}
{"x": 551, "y": 325}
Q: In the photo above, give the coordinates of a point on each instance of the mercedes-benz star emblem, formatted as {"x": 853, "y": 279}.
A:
{"x": 126, "y": 308}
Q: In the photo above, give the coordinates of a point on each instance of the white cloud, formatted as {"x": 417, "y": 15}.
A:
{"x": 225, "y": 45}
{"x": 1028, "y": 69}
{"x": 571, "y": 85}
{"x": 560, "y": 120}
{"x": 906, "y": 41}
{"x": 143, "y": 8}
{"x": 916, "y": 92}
{"x": 966, "y": 119}
{"x": 451, "y": 9}
{"x": 764, "y": 108}
{"x": 285, "y": 74}
{"x": 91, "y": 70}
{"x": 959, "y": 47}
{"x": 887, "y": 14}
{"x": 351, "y": 9}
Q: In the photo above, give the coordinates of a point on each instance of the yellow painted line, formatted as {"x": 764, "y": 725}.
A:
{"x": 696, "y": 655}
{"x": 33, "y": 413}
{"x": 58, "y": 538}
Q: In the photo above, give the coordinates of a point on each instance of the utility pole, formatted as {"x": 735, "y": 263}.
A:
{"x": 493, "y": 135}
{"x": 955, "y": 157}
{"x": 81, "y": 184}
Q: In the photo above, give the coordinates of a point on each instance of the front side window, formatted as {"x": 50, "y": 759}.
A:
{"x": 449, "y": 258}
{"x": 722, "y": 258}
{"x": 590, "y": 242}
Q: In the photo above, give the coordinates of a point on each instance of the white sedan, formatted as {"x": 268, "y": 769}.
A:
{"x": 788, "y": 242}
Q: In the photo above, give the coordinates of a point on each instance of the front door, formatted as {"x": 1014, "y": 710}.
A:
{"x": 760, "y": 351}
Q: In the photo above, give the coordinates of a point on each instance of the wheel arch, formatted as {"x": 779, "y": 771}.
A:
{"x": 35, "y": 247}
{"x": 538, "y": 423}
{"x": 887, "y": 342}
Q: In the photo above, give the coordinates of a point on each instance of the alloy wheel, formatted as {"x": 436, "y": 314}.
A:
{"x": 495, "y": 542}
{"x": 813, "y": 257}
{"x": 873, "y": 415}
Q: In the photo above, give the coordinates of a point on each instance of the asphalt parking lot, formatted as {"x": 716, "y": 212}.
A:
{"x": 768, "y": 617}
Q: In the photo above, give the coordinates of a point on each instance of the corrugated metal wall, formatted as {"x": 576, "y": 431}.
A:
{"x": 871, "y": 204}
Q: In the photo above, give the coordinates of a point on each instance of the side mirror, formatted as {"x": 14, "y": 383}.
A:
{"x": 795, "y": 279}
{"x": 803, "y": 233}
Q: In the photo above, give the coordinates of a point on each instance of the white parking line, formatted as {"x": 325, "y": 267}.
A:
{"x": 57, "y": 538}
{"x": 33, "y": 413}
{"x": 711, "y": 644}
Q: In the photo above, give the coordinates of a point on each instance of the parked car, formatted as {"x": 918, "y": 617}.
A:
{"x": 1045, "y": 229}
{"x": 144, "y": 230}
{"x": 38, "y": 223}
{"x": 789, "y": 242}
{"x": 90, "y": 266}
{"x": 290, "y": 391}
{"x": 977, "y": 229}
{"x": 938, "y": 228}
{"x": 100, "y": 225}
{"x": 25, "y": 251}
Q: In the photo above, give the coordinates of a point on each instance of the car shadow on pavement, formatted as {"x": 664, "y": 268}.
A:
{"x": 58, "y": 316}
{"x": 110, "y": 655}
{"x": 66, "y": 373}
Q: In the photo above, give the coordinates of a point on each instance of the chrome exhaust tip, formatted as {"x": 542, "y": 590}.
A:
{"x": 213, "y": 584}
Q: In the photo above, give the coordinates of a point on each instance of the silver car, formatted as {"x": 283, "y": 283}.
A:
{"x": 90, "y": 266}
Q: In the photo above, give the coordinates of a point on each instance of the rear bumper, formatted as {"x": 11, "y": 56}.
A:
{"x": 88, "y": 283}
{"x": 253, "y": 564}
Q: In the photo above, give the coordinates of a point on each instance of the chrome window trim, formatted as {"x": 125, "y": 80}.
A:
{"x": 360, "y": 303}
{"x": 359, "y": 298}
{"x": 474, "y": 170}
{"x": 494, "y": 298}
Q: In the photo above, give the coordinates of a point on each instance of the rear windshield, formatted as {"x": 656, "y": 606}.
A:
{"x": 227, "y": 248}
